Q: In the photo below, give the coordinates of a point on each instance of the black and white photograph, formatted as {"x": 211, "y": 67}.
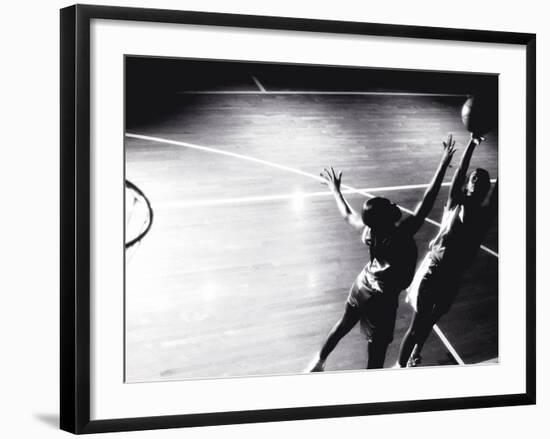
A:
{"x": 287, "y": 219}
{"x": 275, "y": 219}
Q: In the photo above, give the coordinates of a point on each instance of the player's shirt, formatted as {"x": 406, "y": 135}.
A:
{"x": 459, "y": 238}
{"x": 449, "y": 232}
{"x": 390, "y": 268}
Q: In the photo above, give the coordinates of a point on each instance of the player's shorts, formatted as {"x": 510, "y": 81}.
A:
{"x": 377, "y": 313}
{"x": 433, "y": 289}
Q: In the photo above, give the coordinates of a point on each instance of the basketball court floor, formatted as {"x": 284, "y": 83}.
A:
{"x": 248, "y": 263}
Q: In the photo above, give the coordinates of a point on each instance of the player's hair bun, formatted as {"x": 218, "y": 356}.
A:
{"x": 379, "y": 211}
{"x": 396, "y": 213}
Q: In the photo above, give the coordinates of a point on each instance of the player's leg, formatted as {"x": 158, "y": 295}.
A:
{"x": 424, "y": 295}
{"x": 421, "y": 322}
{"x": 420, "y": 334}
{"x": 376, "y": 351}
{"x": 443, "y": 299}
{"x": 378, "y": 325}
{"x": 409, "y": 340}
{"x": 348, "y": 320}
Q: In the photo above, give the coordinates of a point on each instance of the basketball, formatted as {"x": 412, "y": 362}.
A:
{"x": 479, "y": 114}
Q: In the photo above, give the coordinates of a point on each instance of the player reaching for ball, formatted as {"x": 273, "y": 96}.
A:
{"x": 466, "y": 217}
{"x": 373, "y": 296}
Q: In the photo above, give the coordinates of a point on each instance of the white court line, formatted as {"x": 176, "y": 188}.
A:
{"x": 408, "y": 186}
{"x": 227, "y": 153}
{"x": 347, "y": 188}
{"x": 265, "y": 198}
{"x": 285, "y": 196}
{"x": 318, "y": 92}
{"x": 242, "y": 200}
{"x": 254, "y": 199}
{"x": 257, "y": 199}
{"x": 259, "y": 84}
{"x": 448, "y": 345}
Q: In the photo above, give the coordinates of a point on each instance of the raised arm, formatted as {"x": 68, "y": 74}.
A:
{"x": 333, "y": 181}
{"x": 428, "y": 200}
{"x": 455, "y": 194}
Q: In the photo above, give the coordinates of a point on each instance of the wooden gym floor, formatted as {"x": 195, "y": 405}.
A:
{"x": 248, "y": 263}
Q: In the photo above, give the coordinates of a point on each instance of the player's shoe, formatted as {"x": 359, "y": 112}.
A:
{"x": 316, "y": 365}
{"x": 414, "y": 361}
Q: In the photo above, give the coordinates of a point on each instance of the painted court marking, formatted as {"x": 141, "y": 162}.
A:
{"x": 285, "y": 196}
{"x": 347, "y": 189}
{"x": 448, "y": 345}
{"x": 259, "y": 84}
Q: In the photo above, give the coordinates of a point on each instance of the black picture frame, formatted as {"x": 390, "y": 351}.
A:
{"x": 75, "y": 217}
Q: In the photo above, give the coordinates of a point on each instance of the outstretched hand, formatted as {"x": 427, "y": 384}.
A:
{"x": 448, "y": 150}
{"x": 332, "y": 180}
{"x": 477, "y": 138}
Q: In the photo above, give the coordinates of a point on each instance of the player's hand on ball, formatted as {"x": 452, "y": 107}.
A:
{"x": 332, "y": 180}
{"x": 477, "y": 138}
{"x": 448, "y": 150}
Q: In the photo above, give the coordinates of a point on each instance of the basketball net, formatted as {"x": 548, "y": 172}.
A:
{"x": 139, "y": 218}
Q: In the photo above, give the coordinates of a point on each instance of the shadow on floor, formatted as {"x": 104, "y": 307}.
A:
{"x": 50, "y": 419}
